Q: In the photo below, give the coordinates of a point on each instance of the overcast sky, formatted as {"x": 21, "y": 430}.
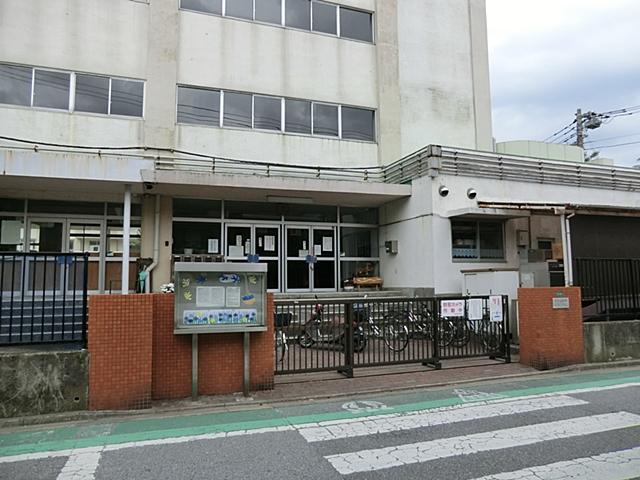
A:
{"x": 549, "y": 57}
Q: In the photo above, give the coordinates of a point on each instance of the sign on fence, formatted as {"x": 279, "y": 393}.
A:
{"x": 495, "y": 308}
{"x": 452, "y": 308}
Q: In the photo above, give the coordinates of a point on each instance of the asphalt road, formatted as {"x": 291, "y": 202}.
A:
{"x": 579, "y": 425}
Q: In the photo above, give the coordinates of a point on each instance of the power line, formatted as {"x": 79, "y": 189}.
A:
{"x": 613, "y": 138}
{"x": 614, "y": 145}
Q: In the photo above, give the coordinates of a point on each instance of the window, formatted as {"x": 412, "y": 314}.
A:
{"x": 298, "y": 14}
{"x": 297, "y": 116}
{"x": 356, "y": 25}
{"x": 325, "y": 18}
{"x": 196, "y": 208}
{"x": 15, "y": 85}
{"x": 473, "y": 239}
{"x": 11, "y": 234}
{"x": 237, "y": 110}
{"x": 325, "y": 120}
{"x": 51, "y": 89}
{"x": 92, "y": 94}
{"x": 269, "y": 11}
{"x": 240, "y": 9}
{"x": 115, "y": 234}
{"x": 196, "y": 238}
{"x": 267, "y": 113}
{"x": 199, "y": 106}
{"x": 359, "y": 215}
{"x": 358, "y": 124}
{"x": 206, "y": 6}
{"x": 126, "y": 97}
{"x": 358, "y": 242}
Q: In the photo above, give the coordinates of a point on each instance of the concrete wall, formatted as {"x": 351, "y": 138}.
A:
{"x": 34, "y": 382}
{"x": 426, "y": 74}
{"x": 609, "y": 341}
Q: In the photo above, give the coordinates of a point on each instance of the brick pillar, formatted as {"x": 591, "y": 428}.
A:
{"x": 550, "y": 338}
{"x": 120, "y": 349}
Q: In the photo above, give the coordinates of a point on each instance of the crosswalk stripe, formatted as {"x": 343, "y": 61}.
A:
{"x": 621, "y": 465}
{"x": 81, "y": 465}
{"x": 425, "y": 418}
{"x": 388, "y": 457}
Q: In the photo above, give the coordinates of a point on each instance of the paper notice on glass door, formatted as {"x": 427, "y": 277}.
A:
{"x": 317, "y": 250}
{"x": 269, "y": 243}
{"x": 327, "y": 244}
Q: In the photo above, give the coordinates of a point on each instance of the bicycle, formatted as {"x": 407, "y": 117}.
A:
{"x": 281, "y": 320}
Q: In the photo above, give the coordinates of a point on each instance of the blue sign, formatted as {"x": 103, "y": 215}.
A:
{"x": 64, "y": 259}
{"x": 311, "y": 259}
{"x": 253, "y": 258}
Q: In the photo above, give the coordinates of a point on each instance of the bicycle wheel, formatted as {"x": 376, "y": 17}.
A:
{"x": 492, "y": 338}
{"x": 396, "y": 336}
{"x": 461, "y": 333}
{"x": 305, "y": 339}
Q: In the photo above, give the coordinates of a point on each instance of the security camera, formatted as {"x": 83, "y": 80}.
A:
{"x": 471, "y": 193}
{"x": 148, "y": 186}
{"x": 443, "y": 191}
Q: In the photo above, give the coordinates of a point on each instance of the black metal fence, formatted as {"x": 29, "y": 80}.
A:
{"x": 610, "y": 288}
{"x": 43, "y": 297}
{"x": 343, "y": 334}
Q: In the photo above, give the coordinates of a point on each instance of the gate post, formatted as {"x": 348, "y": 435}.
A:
{"x": 506, "y": 341}
{"x": 435, "y": 338}
{"x": 347, "y": 370}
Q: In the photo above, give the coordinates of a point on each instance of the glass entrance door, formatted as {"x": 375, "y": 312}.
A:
{"x": 267, "y": 247}
{"x": 318, "y": 242}
{"x": 87, "y": 236}
{"x": 42, "y": 272}
{"x": 238, "y": 241}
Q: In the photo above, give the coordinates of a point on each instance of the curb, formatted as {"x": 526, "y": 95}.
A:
{"x": 85, "y": 415}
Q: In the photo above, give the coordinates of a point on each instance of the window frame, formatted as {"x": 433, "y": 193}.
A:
{"x": 283, "y": 18}
{"x": 72, "y": 92}
{"x": 478, "y": 258}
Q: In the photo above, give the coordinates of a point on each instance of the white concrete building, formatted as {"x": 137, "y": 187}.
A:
{"x": 278, "y": 128}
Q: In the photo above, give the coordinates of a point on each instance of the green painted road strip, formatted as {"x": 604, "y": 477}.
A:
{"x": 99, "y": 434}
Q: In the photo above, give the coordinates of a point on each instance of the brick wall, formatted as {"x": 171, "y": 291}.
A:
{"x": 136, "y": 357}
{"x": 120, "y": 346}
{"x": 550, "y": 338}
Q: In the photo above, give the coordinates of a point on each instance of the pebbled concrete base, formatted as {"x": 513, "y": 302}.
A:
{"x": 42, "y": 382}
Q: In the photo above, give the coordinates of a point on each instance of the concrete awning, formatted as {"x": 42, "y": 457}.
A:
{"x": 560, "y": 208}
{"x": 276, "y": 189}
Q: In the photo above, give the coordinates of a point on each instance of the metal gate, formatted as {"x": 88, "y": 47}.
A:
{"x": 343, "y": 334}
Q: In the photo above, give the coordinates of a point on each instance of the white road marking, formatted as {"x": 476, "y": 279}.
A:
{"x": 426, "y": 418}
{"x": 358, "y": 406}
{"x": 81, "y": 465}
{"x": 381, "y": 458}
{"x": 285, "y": 428}
{"x": 475, "y": 395}
{"x": 621, "y": 465}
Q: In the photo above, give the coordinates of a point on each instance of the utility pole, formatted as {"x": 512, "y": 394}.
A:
{"x": 579, "y": 129}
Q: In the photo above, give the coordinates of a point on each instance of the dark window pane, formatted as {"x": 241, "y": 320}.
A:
{"x": 324, "y": 18}
{"x": 273, "y": 282}
{"x": 117, "y": 209}
{"x": 186, "y": 207}
{"x": 267, "y": 241}
{"x": 237, "y": 110}
{"x": 297, "y": 275}
{"x": 92, "y": 94}
{"x": 356, "y": 24}
{"x": 464, "y": 238}
{"x": 359, "y": 215}
{"x": 491, "y": 240}
{"x": 298, "y": 14}
{"x": 196, "y": 105}
{"x": 298, "y": 242}
{"x": 11, "y": 205}
{"x": 324, "y": 275}
{"x": 240, "y": 9}
{"x": 324, "y": 243}
{"x": 51, "y": 90}
{"x": 358, "y": 124}
{"x": 325, "y": 120}
{"x": 310, "y": 213}
{"x": 252, "y": 210}
{"x": 126, "y": 97}
{"x": 193, "y": 238}
{"x": 59, "y": 206}
{"x": 267, "y": 113}
{"x": 297, "y": 116}
{"x": 207, "y": 6}
{"x": 269, "y": 11}
{"x": 15, "y": 85}
{"x": 358, "y": 242}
